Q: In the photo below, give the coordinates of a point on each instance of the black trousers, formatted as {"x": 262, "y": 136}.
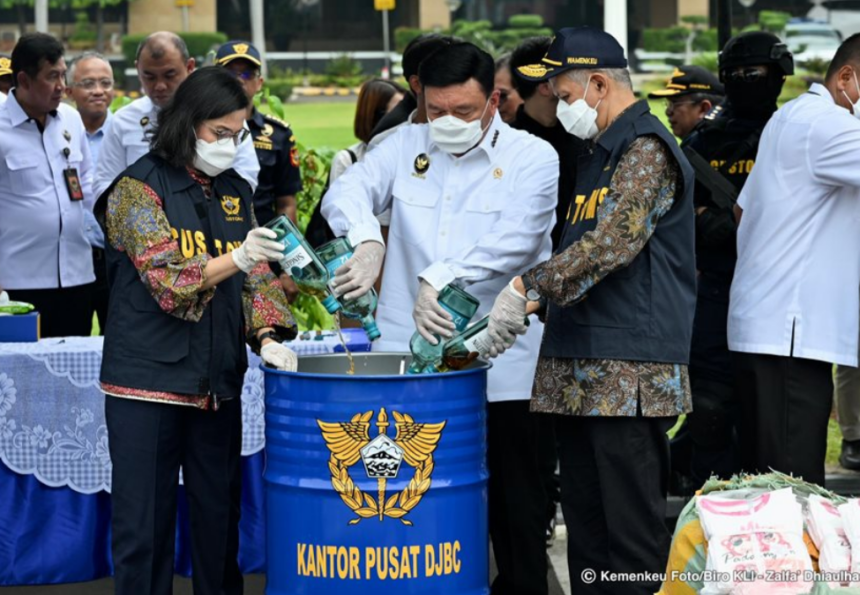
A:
{"x": 63, "y": 312}
{"x": 517, "y": 499}
{"x": 148, "y": 444}
{"x": 101, "y": 290}
{"x": 614, "y": 477}
{"x": 713, "y": 429}
{"x": 786, "y": 407}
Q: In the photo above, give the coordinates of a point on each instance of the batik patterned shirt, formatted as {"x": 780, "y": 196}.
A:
{"x": 642, "y": 190}
{"x": 137, "y": 225}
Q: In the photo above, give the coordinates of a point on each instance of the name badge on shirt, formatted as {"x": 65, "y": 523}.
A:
{"x": 73, "y": 184}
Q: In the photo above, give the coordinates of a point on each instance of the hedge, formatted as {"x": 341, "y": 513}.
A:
{"x": 199, "y": 44}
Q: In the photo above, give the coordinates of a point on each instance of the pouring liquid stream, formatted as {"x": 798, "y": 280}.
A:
{"x": 351, "y": 370}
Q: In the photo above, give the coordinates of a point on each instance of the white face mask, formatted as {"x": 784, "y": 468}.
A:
{"x": 454, "y": 136}
{"x": 214, "y": 158}
{"x": 578, "y": 118}
{"x": 854, "y": 106}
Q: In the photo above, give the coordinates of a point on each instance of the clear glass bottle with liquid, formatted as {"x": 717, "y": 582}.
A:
{"x": 302, "y": 263}
{"x": 334, "y": 254}
{"x": 468, "y": 346}
{"x": 427, "y": 358}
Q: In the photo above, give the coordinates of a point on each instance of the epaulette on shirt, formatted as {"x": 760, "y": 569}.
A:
{"x": 714, "y": 113}
{"x": 276, "y": 120}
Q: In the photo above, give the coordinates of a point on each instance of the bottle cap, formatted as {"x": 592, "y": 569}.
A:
{"x": 372, "y": 331}
{"x": 331, "y": 304}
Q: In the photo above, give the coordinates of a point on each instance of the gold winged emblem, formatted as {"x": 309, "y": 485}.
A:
{"x": 350, "y": 442}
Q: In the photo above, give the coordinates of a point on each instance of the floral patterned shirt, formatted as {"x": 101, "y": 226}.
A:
{"x": 137, "y": 225}
{"x": 642, "y": 190}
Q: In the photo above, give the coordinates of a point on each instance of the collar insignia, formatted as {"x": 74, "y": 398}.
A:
{"x": 144, "y": 121}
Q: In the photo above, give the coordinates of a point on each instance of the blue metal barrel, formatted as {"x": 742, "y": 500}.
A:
{"x": 376, "y": 482}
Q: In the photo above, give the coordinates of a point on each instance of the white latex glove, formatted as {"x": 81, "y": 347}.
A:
{"x": 259, "y": 246}
{"x": 358, "y": 274}
{"x": 430, "y": 318}
{"x": 279, "y": 356}
{"x": 506, "y": 319}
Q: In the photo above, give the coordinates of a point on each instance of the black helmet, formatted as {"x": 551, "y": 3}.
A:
{"x": 755, "y": 48}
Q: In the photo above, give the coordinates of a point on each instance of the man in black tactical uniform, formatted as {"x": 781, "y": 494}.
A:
{"x": 722, "y": 150}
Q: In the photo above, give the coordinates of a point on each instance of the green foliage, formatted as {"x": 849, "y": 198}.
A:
{"x": 709, "y": 61}
{"x": 119, "y": 102}
{"x": 343, "y": 65}
{"x": 403, "y": 35}
{"x": 696, "y": 21}
{"x": 669, "y": 39}
{"x": 85, "y": 34}
{"x": 280, "y": 88}
{"x": 199, "y": 44}
{"x": 816, "y": 67}
{"x": 525, "y": 21}
{"x": 773, "y": 20}
{"x": 497, "y": 42}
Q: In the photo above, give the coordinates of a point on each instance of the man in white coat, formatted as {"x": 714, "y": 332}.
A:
{"x": 472, "y": 202}
{"x": 163, "y": 63}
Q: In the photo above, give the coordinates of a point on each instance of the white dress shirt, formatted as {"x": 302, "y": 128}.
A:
{"x": 42, "y": 239}
{"x": 796, "y": 289}
{"x": 479, "y": 219}
{"x": 128, "y": 140}
{"x": 95, "y": 235}
{"x": 2, "y": 97}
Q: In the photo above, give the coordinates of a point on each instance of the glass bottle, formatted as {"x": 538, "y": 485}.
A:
{"x": 302, "y": 264}
{"x": 468, "y": 346}
{"x": 427, "y": 358}
{"x": 334, "y": 254}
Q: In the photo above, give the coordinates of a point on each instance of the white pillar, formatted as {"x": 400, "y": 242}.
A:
{"x": 258, "y": 32}
{"x": 41, "y": 7}
{"x": 615, "y": 21}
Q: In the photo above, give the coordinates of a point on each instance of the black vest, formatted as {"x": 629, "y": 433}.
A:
{"x": 149, "y": 349}
{"x": 643, "y": 312}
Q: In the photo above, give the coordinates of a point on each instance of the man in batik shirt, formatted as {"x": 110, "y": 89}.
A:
{"x": 620, "y": 295}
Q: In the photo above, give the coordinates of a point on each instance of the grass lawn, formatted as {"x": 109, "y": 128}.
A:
{"x": 318, "y": 125}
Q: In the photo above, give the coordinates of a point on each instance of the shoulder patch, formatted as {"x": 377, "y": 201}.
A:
{"x": 714, "y": 113}
{"x": 276, "y": 120}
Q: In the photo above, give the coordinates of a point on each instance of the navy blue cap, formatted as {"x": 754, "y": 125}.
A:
{"x": 235, "y": 50}
{"x": 576, "y": 48}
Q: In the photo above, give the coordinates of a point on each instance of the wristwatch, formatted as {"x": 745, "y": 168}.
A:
{"x": 531, "y": 293}
{"x": 267, "y": 335}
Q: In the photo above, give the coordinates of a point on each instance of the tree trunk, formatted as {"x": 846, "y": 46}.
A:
{"x": 100, "y": 28}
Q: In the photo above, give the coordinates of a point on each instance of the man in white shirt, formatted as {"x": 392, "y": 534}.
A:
{"x": 163, "y": 62}
{"x": 794, "y": 308}
{"x": 45, "y": 189}
{"x": 473, "y": 202}
{"x": 91, "y": 87}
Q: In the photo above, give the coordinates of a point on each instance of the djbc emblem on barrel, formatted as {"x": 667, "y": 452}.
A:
{"x": 382, "y": 459}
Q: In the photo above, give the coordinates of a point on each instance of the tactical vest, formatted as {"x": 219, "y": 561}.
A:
{"x": 149, "y": 349}
{"x": 643, "y": 312}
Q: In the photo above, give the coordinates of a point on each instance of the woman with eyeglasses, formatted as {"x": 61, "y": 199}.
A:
{"x": 190, "y": 285}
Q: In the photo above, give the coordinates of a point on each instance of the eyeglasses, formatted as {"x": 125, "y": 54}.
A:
{"x": 747, "y": 75}
{"x": 222, "y": 137}
{"x": 90, "y": 84}
{"x": 245, "y": 75}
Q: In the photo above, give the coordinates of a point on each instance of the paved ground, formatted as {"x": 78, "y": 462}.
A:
{"x": 559, "y": 583}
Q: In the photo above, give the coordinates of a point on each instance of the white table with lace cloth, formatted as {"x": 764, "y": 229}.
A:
{"x": 52, "y": 422}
